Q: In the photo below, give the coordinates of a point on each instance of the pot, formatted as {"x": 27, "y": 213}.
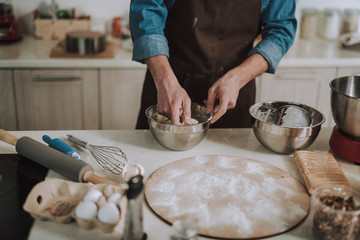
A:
{"x": 85, "y": 42}
{"x": 345, "y": 104}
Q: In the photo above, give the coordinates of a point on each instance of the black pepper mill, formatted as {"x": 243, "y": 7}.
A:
{"x": 134, "y": 218}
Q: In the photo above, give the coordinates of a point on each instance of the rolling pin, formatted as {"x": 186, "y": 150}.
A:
{"x": 50, "y": 158}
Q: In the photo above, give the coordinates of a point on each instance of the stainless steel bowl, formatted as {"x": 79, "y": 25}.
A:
{"x": 345, "y": 104}
{"x": 180, "y": 137}
{"x": 283, "y": 139}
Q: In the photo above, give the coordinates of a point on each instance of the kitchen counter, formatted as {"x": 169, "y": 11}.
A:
{"x": 32, "y": 53}
{"x": 140, "y": 146}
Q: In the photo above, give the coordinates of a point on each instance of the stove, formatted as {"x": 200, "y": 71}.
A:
{"x": 18, "y": 175}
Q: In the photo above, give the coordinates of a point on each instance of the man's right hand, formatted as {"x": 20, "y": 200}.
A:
{"x": 172, "y": 100}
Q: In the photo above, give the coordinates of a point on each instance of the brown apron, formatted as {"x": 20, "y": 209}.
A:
{"x": 206, "y": 39}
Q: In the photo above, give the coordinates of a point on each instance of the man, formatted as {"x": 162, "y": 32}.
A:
{"x": 203, "y": 51}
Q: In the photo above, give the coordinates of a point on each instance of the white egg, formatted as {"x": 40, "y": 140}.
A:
{"x": 86, "y": 210}
{"x": 115, "y": 198}
{"x": 92, "y": 196}
{"x": 109, "y": 213}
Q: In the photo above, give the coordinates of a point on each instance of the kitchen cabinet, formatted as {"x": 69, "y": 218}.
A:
{"x": 309, "y": 86}
{"x": 57, "y": 99}
{"x": 120, "y": 93}
{"x": 343, "y": 71}
{"x": 7, "y": 101}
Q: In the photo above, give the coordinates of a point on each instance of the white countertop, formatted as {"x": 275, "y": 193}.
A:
{"x": 140, "y": 146}
{"x": 32, "y": 53}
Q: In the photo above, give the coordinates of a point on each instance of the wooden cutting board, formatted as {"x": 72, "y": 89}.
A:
{"x": 229, "y": 197}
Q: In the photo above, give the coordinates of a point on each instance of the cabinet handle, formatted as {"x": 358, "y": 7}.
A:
{"x": 300, "y": 76}
{"x": 53, "y": 79}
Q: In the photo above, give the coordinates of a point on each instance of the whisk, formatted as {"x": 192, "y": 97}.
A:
{"x": 110, "y": 158}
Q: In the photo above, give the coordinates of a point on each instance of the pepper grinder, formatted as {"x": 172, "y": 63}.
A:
{"x": 134, "y": 218}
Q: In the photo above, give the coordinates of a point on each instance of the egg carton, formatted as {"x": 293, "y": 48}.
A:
{"x": 60, "y": 200}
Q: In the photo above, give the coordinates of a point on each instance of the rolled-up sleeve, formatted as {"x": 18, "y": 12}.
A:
{"x": 147, "y": 22}
{"x": 279, "y": 28}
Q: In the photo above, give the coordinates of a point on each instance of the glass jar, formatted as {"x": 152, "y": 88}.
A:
{"x": 308, "y": 23}
{"x": 330, "y": 24}
{"x": 350, "y": 20}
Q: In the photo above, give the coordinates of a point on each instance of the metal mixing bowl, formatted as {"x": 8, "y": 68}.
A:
{"x": 345, "y": 104}
{"x": 283, "y": 139}
{"x": 180, "y": 137}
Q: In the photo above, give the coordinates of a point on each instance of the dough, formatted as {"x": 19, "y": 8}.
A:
{"x": 162, "y": 119}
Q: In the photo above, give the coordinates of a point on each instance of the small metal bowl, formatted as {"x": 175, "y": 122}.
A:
{"x": 180, "y": 137}
{"x": 283, "y": 139}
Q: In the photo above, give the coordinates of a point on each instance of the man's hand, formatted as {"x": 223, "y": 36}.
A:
{"x": 172, "y": 100}
{"x": 227, "y": 88}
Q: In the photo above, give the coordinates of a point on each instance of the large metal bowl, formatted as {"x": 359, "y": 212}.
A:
{"x": 180, "y": 137}
{"x": 345, "y": 104}
{"x": 286, "y": 140}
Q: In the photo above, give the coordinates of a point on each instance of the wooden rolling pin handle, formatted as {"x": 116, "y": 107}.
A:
{"x": 89, "y": 176}
{"x": 7, "y": 137}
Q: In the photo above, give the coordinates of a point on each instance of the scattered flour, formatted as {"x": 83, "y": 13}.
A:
{"x": 224, "y": 192}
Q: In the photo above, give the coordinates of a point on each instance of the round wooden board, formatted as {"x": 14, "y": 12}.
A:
{"x": 229, "y": 197}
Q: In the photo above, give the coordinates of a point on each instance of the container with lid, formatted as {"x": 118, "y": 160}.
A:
{"x": 330, "y": 24}
{"x": 350, "y": 20}
{"x": 308, "y": 23}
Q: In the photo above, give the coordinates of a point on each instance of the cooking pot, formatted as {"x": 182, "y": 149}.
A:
{"x": 345, "y": 104}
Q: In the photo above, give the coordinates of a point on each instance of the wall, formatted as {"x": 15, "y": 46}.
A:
{"x": 104, "y": 10}
{"x": 101, "y": 11}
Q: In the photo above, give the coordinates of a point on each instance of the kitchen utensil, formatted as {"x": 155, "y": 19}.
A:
{"x": 110, "y": 158}
{"x": 336, "y": 213}
{"x": 282, "y": 139}
{"x": 85, "y": 42}
{"x": 180, "y": 137}
{"x": 345, "y": 109}
{"x": 286, "y": 116}
{"x": 62, "y": 146}
{"x": 9, "y": 27}
{"x": 229, "y": 197}
{"x": 134, "y": 218}
{"x": 344, "y": 146}
{"x": 319, "y": 169}
{"x": 53, "y": 159}
{"x": 345, "y": 104}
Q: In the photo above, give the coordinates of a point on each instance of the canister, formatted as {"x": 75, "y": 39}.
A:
{"x": 330, "y": 24}
{"x": 350, "y": 20}
{"x": 308, "y": 23}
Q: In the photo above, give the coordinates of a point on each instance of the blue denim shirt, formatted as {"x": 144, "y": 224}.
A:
{"x": 148, "y": 17}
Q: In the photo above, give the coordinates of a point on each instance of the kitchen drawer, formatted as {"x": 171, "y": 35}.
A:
{"x": 57, "y": 99}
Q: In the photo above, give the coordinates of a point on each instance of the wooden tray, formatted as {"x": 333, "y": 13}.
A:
{"x": 59, "y": 51}
{"x": 229, "y": 197}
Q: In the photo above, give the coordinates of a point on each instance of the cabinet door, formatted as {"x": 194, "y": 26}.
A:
{"x": 7, "y": 101}
{"x": 120, "y": 91}
{"x": 57, "y": 99}
{"x": 307, "y": 86}
{"x": 343, "y": 72}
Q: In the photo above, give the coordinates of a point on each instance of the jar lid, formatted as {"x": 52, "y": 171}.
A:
{"x": 331, "y": 11}
{"x": 351, "y": 11}
{"x": 309, "y": 10}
